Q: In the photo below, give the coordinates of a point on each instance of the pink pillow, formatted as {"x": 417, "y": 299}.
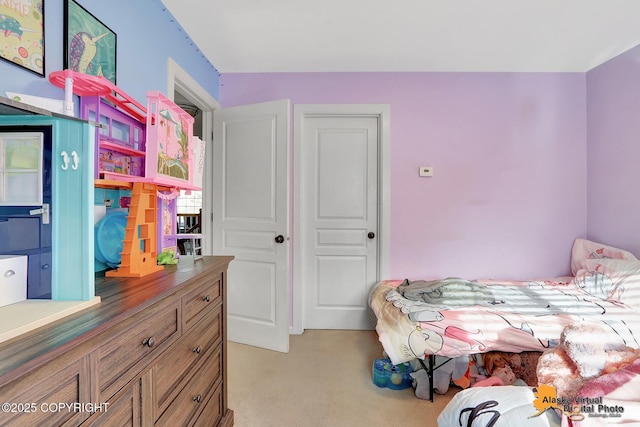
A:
{"x": 585, "y": 250}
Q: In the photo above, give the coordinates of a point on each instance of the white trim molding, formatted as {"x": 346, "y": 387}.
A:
{"x": 178, "y": 79}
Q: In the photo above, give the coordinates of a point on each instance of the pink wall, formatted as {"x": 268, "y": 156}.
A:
{"x": 508, "y": 196}
{"x": 613, "y": 94}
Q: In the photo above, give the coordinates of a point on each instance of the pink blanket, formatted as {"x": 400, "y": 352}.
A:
{"x": 510, "y": 316}
{"x": 593, "y": 376}
{"x": 616, "y": 396}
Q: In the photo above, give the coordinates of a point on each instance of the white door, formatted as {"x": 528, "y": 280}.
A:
{"x": 251, "y": 219}
{"x": 339, "y": 223}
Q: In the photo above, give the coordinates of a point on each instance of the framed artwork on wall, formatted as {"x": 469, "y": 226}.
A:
{"x": 89, "y": 45}
{"x": 22, "y": 24}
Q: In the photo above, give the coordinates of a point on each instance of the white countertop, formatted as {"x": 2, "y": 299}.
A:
{"x": 21, "y": 317}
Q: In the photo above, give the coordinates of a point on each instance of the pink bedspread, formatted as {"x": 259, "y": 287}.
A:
{"x": 511, "y": 316}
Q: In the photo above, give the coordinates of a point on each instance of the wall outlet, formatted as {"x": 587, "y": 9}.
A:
{"x": 426, "y": 171}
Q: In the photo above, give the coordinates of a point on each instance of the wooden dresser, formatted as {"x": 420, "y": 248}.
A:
{"x": 152, "y": 352}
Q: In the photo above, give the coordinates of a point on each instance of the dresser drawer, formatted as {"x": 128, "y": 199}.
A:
{"x": 132, "y": 343}
{"x": 122, "y": 411}
{"x": 192, "y": 398}
{"x": 212, "y": 412}
{"x": 170, "y": 371}
{"x": 199, "y": 298}
{"x": 13, "y": 279}
{"x": 37, "y": 397}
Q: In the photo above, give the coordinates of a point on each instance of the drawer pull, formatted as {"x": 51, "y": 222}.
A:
{"x": 10, "y": 273}
{"x": 197, "y": 398}
{"x": 206, "y": 298}
{"x": 149, "y": 342}
{"x": 197, "y": 350}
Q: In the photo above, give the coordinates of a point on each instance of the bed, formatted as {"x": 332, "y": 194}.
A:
{"x": 454, "y": 316}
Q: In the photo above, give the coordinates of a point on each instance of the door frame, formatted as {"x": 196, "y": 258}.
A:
{"x": 178, "y": 79}
{"x": 301, "y": 113}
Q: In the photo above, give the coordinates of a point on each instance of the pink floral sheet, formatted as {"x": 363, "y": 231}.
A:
{"x": 511, "y": 316}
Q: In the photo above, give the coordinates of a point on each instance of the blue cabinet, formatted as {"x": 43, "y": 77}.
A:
{"x": 71, "y": 210}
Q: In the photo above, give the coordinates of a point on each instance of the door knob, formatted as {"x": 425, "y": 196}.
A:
{"x": 279, "y": 238}
{"x": 371, "y": 235}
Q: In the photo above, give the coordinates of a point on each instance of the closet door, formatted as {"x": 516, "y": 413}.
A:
{"x": 339, "y": 220}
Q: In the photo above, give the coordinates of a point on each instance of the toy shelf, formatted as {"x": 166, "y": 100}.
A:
{"x": 112, "y": 184}
{"x": 121, "y": 148}
{"x": 121, "y": 138}
{"x": 115, "y": 176}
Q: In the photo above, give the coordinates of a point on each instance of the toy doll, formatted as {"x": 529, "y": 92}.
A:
{"x": 497, "y": 366}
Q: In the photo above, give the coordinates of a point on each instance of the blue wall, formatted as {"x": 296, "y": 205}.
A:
{"x": 147, "y": 35}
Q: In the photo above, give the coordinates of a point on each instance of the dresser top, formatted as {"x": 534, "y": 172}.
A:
{"x": 120, "y": 299}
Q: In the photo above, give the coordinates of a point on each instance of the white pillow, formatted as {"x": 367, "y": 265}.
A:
{"x": 611, "y": 279}
{"x": 584, "y": 250}
{"x": 508, "y": 406}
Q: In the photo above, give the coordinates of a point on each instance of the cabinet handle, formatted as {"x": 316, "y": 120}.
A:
{"x": 197, "y": 398}
{"x": 206, "y": 298}
{"x": 9, "y": 273}
{"x": 149, "y": 342}
{"x": 65, "y": 160}
{"x": 76, "y": 160}
{"x": 197, "y": 350}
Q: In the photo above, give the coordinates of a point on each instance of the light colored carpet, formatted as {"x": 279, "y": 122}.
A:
{"x": 324, "y": 380}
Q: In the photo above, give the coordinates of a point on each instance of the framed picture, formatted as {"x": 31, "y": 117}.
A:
{"x": 89, "y": 45}
{"x": 22, "y": 25}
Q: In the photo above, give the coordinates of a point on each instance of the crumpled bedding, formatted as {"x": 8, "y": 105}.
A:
{"x": 451, "y": 292}
{"x": 455, "y": 292}
{"x": 455, "y": 317}
{"x": 519, "y": 316}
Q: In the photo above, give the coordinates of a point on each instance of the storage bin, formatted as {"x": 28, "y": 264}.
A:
{"x": 386, "y": 374}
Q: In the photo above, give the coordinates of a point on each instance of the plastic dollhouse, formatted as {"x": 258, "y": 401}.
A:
{"x": 150, "y": 149}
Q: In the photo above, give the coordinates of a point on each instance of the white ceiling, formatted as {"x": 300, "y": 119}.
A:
{"x": 409, "y": 35}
